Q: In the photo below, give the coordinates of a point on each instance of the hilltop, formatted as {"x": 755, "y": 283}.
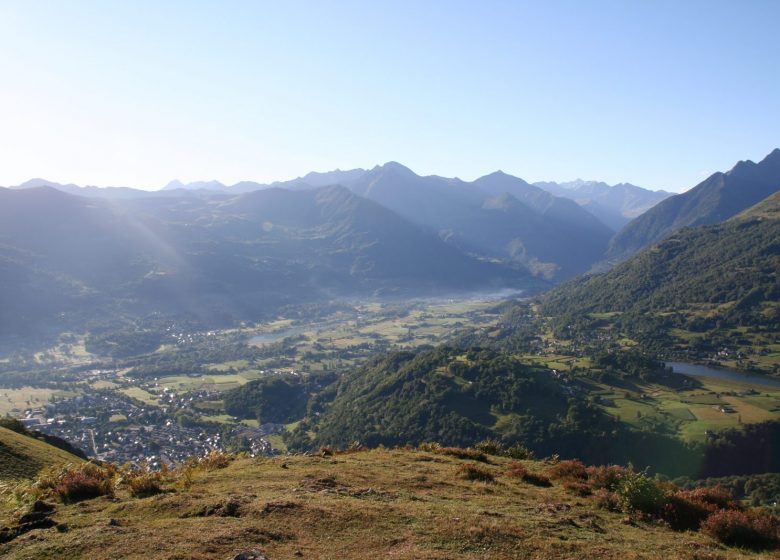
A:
{"x": 378, "y": 503}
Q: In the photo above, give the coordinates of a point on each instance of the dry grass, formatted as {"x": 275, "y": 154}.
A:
{"x": 23, "y": 457}
{"x": 463, "y": 453}
{"x": 475, "y": 472}
{"x": 378, "y": 503}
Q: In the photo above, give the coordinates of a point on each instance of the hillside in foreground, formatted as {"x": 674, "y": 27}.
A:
{"x": 22, "y": 456}
{"x": 378, "y": 503}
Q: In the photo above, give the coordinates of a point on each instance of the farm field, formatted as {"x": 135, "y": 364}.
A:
{"x": 690, "y": 413}
{"x": 14, "y": 401}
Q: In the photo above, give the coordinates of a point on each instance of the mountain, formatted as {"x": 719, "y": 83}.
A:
{"x": 767, "y": 209}
{"x": 703, "y": 287}
{"x": 498, "y": 216}
{"x": 67, "y": 260}
{"x": 615, "y": 205}
{"x": 714, "y": 200}
{"x": 326, "y": 179}
{"x": 99, "y": 192}
{"x": 194, "y": 186}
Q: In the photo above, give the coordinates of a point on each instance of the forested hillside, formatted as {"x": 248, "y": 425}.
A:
{"x": 702, "y": 280}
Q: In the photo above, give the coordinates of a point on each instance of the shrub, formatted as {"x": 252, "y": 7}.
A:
{"x": 571, "y": 469}
{"x": 607, "y": 478}
{"x": 578, "y": 488}
{"x": 491, "y": 446}
{"x": 75, "y": 483}
{"x": 638, "y": 492}
{"x": 215, "y": 460}
{"x": 714, "y": 495}
{"x": 185, "y": 476}
{"x": 518, "y": 470}
{"x": 475, "y": 472}
{"x": 684, "y": 514}
{"x": 687, "y": 509}
{"x": 326, "y": 451}
{"x": 462, "y": 453}
{"x": 144, "y": 483}
{"x": 354, "y": 447}
{"x": 429, "y": 446}
{"x": 749, "y": 529}
{"x": 607, "y": 500}
{"x": 519, "y": 452}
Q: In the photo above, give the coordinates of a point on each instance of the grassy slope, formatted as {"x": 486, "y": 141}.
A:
{"x": 379, "y": 503}
{"x": 22, "y": 456}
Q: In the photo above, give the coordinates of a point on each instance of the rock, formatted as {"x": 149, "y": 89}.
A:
{"x": 250, "y": 555}
{"x": 33, "y": 517}
{"x": 41, "y": 507}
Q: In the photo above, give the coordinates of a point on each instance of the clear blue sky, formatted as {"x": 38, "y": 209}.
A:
{"x": 659, "y": 93}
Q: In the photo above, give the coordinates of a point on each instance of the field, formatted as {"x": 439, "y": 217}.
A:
{"x": 141, "y": 395}
{"x": 715, "y": 405}
{"x": 15, "y": 401}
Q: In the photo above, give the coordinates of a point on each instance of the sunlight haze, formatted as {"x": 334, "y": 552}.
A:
{"x": 659, "y": 94}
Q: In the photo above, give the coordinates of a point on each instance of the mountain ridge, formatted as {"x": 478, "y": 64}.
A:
{"x": 717, "y": 198}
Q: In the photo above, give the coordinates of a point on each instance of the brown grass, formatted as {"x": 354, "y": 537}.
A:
{"x": 463, "y": 453}
{"x": 476, "y": 472}
{"x": 386, "y": 503}
{"x": 518, "y": 470}
{"x": 76, "y": 483}
{"x": 570, "y": 469}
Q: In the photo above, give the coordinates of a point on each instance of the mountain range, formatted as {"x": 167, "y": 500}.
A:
{"x": 717, "y": 198}
{"x": 615, "y": 205}
{"x": 66, "y": 260}
{"x": 497, "y": 216}
{"x": 70, "y": 255}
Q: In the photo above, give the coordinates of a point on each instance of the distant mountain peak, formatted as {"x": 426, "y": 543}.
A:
{"x": 175, "y": 184}
{"x": 773, "y": 157}
{"x": 498, "y": 174}
{"x": 396, "y": 167}
{"x": 37, "y": 182}
{"x": 212, "y": 185}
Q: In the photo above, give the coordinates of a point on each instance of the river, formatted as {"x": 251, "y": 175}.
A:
{"x": 723, "y": 373}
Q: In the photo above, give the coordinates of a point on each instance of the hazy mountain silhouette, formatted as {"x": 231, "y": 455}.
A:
{"x": 66, "y": 259}
{"x": 717, "y": 198}
{"x": 614, "y": 205}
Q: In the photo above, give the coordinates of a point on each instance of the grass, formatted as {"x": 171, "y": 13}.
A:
{"x": 379, "y": 503}
{"x": 16, "y": 401}
{"x": 691, "y": 413}
{"x": 23, "y": 457}
{"x": 141, "y": 395}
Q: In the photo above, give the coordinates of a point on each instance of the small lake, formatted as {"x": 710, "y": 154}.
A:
{"x": 726, "y": 374}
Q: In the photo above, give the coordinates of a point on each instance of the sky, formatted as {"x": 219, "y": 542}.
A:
{"x": 134, "y": 93}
